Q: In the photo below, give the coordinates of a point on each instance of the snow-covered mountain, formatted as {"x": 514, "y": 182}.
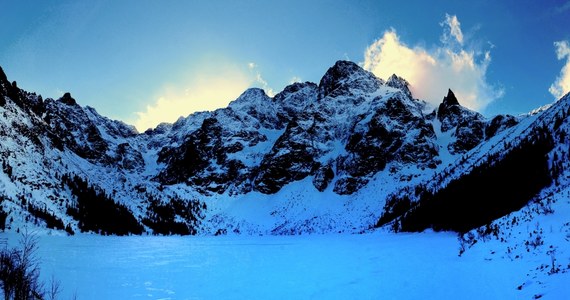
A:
{"x": 336, "y": 156}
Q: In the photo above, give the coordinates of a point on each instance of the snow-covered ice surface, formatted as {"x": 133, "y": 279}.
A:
{"x": 335, "y": 266}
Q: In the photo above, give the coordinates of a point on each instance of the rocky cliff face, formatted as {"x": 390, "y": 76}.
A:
{"x": 336, "y": 136}
{"x": 470, "y": 128}
{"x": 345, "y": 130}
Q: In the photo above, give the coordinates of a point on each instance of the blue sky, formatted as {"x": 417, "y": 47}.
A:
{"x": 145, "y": 62}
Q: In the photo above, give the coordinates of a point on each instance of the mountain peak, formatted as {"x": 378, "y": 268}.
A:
{"x": 469, "y": 125}
{"x": 345, "y": 65}
{"x": 251, "y": 97}
{"x": 346, "y": 72}
{"x": 67, "y": 99}
{"x": 449, "y": 106}
{"x": 341, "y": 70}
{"x": 450, "y": 99}
{"x": 400, "y": 83}
{"x": 359, "y": 127}
{"x": 3, "y": 77}
{"x": 258, "y": 92}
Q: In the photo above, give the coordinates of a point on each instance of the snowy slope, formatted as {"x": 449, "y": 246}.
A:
{"x": 315, "y": 158}
{"x": 521, "y": 216}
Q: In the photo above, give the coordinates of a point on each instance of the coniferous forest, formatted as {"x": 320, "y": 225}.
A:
{"x": 491, "y": 190}
{"x": 97, "y": 212}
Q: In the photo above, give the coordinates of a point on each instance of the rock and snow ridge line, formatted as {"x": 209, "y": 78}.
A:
{"x": 319, "y": 157}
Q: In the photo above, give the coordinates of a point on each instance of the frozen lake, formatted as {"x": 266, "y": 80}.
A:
{"x": 370, "y": 266}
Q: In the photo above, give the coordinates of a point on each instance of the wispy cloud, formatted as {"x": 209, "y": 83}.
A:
{"x": 259, "y": 80}
{"x": 295, "y": 79}
{"x": 563, "y": 8}
{"x": 451, "y": 30}
{"x": 432, "y": 72}
{"x": 562, "y": 84}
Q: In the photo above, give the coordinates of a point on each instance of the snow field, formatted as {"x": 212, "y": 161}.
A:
{"x": 368, "y": 266}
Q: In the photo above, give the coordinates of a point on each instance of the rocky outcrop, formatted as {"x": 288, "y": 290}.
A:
{"x": 400, "y": 83}
{"x": 292, "y": 158}
{"x": 337, "y": 136}
{"x": 450, "y": 113}
{"x": 70, "y": 122}
{"x": 470, "y": 128}
{"x": 347, "y": 79}
{"x": 397, "y": 132}
{"x": 340, "y": 132}
{"x": 498, "y": 124}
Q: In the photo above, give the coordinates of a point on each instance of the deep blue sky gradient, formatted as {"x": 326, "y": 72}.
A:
{"x": 117, "y": 55}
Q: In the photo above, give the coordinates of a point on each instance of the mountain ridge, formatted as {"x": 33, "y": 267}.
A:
{"x": 353, "y": 139}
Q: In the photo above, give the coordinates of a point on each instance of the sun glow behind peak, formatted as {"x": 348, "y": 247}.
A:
{"x": 206, "y": 88}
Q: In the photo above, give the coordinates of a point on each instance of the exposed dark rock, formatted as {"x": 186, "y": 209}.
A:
{"x": 4, "y": 84}
{"x": 345, "y": 78}
{"x": 349, "y": 185}
{"x": 67, "y": 99}
{"x": 294, "y": 99}
{"x": 193, "y": 155}
{"x": 469, "y": 125}
{"x": 469, "y": 134}
{"x": 450, "y": 112}
{"x": 396, "y": 132}
{"x": 74, "y": 128}
{"x": 290, "y": 159}
{"x": 349, "y": 130}
{"x": 128, "y": 158}
{"x": 498, "y": 124}
{"x": 323, "y": 177}
{"x": 263, "y": 143}
{"x": 400, "y": 83}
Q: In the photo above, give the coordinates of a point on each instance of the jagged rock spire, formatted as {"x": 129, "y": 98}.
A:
{"x": 67, "y": 99}
{"x": 449, "y": 106}
{"x": 450, "y": 99}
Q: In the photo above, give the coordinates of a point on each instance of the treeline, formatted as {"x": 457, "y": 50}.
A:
{"x": 95, "y": 211}
{"x": 174, "y": 217}
{"x": 52, "y": 221}
{"x": 491, "y": 190}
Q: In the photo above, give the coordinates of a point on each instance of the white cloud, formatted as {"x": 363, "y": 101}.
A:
{"x": 451, "y": 28}
{"x": 431, "y": 72}
{"x": 261, "y": 82}
{"x": 209, "y": 88}
{"x": 562, "y": 84}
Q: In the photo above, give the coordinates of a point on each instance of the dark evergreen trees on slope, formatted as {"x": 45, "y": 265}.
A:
{"x": 97, "y": 212}
{"x": 174, "y": 217}
{"x": 491, "y": 190}
{"x": 50, "y": 219}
